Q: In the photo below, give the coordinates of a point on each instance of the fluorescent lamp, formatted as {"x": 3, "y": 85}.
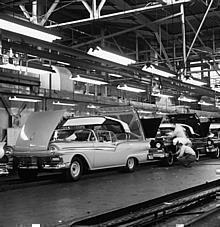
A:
{"x": 98, "y": 52}
{"x": 144, "y": 112}
{"x": 63, "y": 103}
{"x": 115, "y": 75}
{"x": 91, "y": 106}
{"x": 26, "y": 28}
{"x": 205, "y": 103}
{"x": 128, "y": 88}
{"x": 24, "y": 69}
{"x": 15, "y": 98}
{"x": 162, "y": 113}
{"x": 193, "y": 82}
{"x": 158, "y": 71}
{"x": 162, "y": 95}
{"x": 87, "y": 80}
{"x": 182, "y": 106}
{"x": 185, "y": 99}
{"x": 63, "y": 63}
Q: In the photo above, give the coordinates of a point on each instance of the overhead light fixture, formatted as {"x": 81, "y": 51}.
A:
{"x": 91, "y": 106}
{"x": 185, "y": 99}
{"x": 162, "y": 113}
{"x": 25, "y": 69}
{"x": 125, "y": 87}
{"x": 79, "y": 78}
{"x": 115, "y": 75}
{"x": 182, "y": 106}
{"x": 63, "y": 63}
{"x": 22, "y": 27}
{"x": 205, "y": 103}
{"x": 158, "y": 70}
{"x": 144, "y": 112}
{"x": 63, "y": 103}
{"x": 193, "y": 82}
{"x": 98, "y": 52}
{"x": 162, "y": 95}
{"x": 20, "y": 99}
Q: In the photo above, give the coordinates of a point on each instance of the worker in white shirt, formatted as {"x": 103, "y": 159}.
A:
{"x": 185, "y": 154}
{"x": 179, "y": 135}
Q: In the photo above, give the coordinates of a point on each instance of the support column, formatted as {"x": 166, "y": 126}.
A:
{"x": 137, "y": 56}
{"x": 184, "y": 38}
{"x": 0, "y": 43}
{"x": 41, "y": 9}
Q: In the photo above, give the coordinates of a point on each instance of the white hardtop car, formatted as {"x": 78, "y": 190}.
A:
{"x": 75, "y": 145}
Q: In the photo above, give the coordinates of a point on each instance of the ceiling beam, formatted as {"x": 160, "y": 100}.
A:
{"x": 116, "y": 15}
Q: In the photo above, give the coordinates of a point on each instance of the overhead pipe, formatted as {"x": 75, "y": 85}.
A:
{"x": 25, "y": 12}
{"x": 49, "y": 12}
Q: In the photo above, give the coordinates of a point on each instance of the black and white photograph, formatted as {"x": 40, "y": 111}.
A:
{"x": 109, "y": 113}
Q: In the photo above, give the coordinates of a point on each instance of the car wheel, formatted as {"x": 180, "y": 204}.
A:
{"x": 197, "y": 155}
{"x": 27, "y": 174}
{"x": 169, "y": 159}
{"x": 217, "y": 153}
{"x": 130, "y": 165}
{"x": 75, "y": 171}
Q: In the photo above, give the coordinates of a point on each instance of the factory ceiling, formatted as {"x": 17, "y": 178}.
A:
{"x": 171, "y": 33}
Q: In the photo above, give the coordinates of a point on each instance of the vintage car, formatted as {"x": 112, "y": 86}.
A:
{"x": 213, "y": 143}
{"x": 3, "y": 160}
{"x": 76, "y": 145}
{"x": 163, "y": 147}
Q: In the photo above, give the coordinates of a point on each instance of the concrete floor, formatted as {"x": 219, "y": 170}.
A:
{"x": 60, "y": 202}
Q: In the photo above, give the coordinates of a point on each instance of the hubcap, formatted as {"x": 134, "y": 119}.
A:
{"x": 130, "y": 163}
{"x": 170, "y": 159}
{"x": 217, "y": 153}
{"x": 75, "y": 169}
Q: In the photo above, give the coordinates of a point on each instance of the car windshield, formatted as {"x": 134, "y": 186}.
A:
{"x": 73, "y": 135}
{"x": 165, "y": 131}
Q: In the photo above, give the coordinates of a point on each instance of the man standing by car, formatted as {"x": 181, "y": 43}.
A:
{"x": 185, "y": 154}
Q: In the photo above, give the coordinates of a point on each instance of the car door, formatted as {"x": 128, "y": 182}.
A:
{"x": 105, "y": 153}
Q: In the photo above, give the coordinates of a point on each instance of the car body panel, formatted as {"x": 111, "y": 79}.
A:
{"x": 37, "y": 131}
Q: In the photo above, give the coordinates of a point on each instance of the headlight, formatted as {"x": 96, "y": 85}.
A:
{"x": 158, "y": 145}
{"x": 53, "y": 149}
{"x": 8, "y": 150}
{"x": 209, "y": 142}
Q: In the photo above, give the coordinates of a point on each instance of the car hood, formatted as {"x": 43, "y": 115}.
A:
{"x": 191, "y": 119}
{"x": 150, "y": 126}
{"x": 37, "y": 131}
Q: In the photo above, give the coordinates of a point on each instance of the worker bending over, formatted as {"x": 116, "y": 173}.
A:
{"x": 185, "y": 154}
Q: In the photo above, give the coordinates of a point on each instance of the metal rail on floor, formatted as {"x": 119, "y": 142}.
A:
{"x": 155, "y": 210}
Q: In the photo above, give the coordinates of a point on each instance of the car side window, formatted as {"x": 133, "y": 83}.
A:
{"x": 91, "y": 137}
{"x": 122, "y": 136}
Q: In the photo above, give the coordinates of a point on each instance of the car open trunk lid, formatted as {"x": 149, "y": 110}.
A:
{"x": 150, "y": 126}
{"x": 37, "y": 131}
